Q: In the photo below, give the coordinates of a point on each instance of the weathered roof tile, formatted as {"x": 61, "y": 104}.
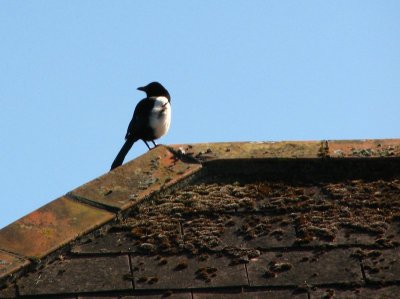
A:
{"x": 370, "y": 148}
{"x": 162, "y": 295}
{"x": 288, "y": 268}
{"x": 382, "y": 265}
{"x": 79, "y": 275}
{"x": 182, "y": 272}
{"x": 50, "y": 227}
{"x": 279, "y": 234}
{"x": 10, "y": 263}
{"x": 8, "y": 292}
{"x": 112, "y": 242}
{"x": 127, "y": 185}
{"x": 251, "y": 150}
{"x": 373, "y": 292}
{"x": 273, "y": 294}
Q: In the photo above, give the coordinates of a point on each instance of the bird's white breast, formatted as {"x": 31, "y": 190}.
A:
{"x": 160, "y": 117}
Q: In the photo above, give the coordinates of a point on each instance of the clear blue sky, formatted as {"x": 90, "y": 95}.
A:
{"x": 236, "y": 70}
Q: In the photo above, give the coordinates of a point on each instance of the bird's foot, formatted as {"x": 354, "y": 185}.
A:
{"x": 157, "y": 145}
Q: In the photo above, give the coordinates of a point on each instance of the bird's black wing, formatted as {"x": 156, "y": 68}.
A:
{"x": 140, "y": 119}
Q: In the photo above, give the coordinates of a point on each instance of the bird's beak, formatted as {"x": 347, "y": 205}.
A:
{"x": 141, "y": 88}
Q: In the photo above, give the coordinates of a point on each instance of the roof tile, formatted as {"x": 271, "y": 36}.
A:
{"x": 275, "y": 294}
{"x": 382, "y": 265}
{"x": 158, "y": 295}
{"x": 112, "y": 242}
{"x": 364, "y": 148}
{"x": 127, "y": 185}
{"x": 287, "y": 268}
{"x": 182, "y": 272}
{"x": 10, "y": 263}
{"x": 358, "y": 293}
{"x": 79, "y": 275}
{"x": 280, "y": 235}
{"x": 251, "y": 150}
{"x": 8, "y": 292}
{"x": 51, "y": 227}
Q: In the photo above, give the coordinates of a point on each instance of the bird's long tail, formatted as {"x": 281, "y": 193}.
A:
{"x": 122, "y": 153}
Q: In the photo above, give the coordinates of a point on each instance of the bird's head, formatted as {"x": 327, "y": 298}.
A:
{"x": 155, "y": 89}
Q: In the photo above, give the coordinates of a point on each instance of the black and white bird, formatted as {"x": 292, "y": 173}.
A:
{"x": 151, "y": 119}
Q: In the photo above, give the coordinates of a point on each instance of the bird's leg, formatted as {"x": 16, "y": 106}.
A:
{"x": 147, "y": 144}
{"x": 155, "y": 145}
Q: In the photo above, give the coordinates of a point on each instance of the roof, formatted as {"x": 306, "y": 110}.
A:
{"x": 219, "y": 220}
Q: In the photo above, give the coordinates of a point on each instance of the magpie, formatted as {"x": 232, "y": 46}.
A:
{"x": 151, "y": 119}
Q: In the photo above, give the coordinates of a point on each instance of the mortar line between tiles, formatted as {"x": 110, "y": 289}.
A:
{"x": 91, "y": 203}
{"x": 17, "y": 293}
{"x": 131, "y": 269}
{"x": 363, "y": 271}
{"x": 16, "y": 255}
{"x": 247, "y": 275}
{"x": 181, "y": 228}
